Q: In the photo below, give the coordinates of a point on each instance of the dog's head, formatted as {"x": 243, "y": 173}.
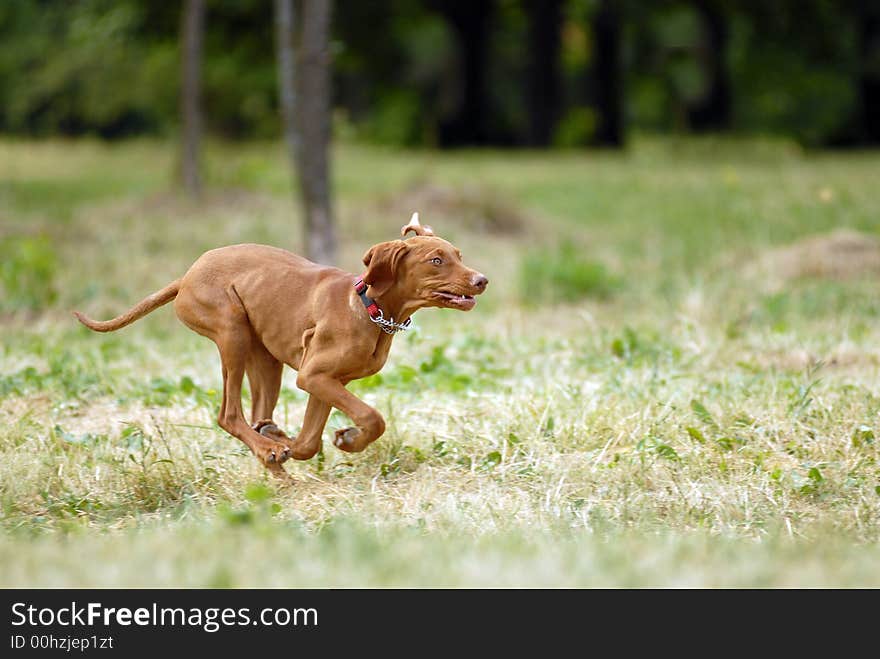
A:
{"x": 427, "y": 269}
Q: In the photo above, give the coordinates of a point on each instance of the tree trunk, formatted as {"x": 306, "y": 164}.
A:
{"x": 545, "y": 20}
{"x": 284, "y": 22}
{"x": 869, "y": 75}
{"x": 192, "y": 29}
{"x": 712, "y": 111}
{"x": 470, "y": 20}
{"x": 313, "y": 123}
{"x": 608, "y": 74}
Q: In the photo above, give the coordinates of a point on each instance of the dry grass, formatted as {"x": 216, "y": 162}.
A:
{"x": 689, "y": 430}
{"x": 842, "y": 254}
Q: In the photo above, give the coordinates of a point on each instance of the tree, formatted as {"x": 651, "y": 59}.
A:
{"x": 192, "y": 28}
{"x": 286, "y": 79}
{"x": 470, "y": 20}
{"x": 712, "y": 110}
{"x": 608, "y": 74}
{"x": 543, "y": 94}
{"x": 311, "y": 139}
{"x": 869, "y": 73}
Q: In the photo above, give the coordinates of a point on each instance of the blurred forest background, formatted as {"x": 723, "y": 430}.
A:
{"x": 674, "y": 377}
{"x": 443, "y": 73}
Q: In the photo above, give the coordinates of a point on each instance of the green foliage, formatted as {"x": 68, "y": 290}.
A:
{"x": 84, "y": 439}
{"x": 70, "y": 375}
{"x": 576, "y": 128}
{"x": 564, "y": 274}
{"x": 163, "y": 392}
{"x": 801, "y": 396}
{"x": 643, "y": 347}
{"x": 624, "y": 346}
{"x": 703, "y": 414}
{"x": 696, "y": 434}
{"x": 396, "y": 120}
{"x": 810, "y": 299}
{"x": 718, "y": 437}
{"x": 785, "y": 78}
{"x": 111, "y": 67}
{"x": 656, "y": 447}
{"x": 20, "y": 381}
{"x": 862, "y": 436}
{"x": 27, "y": 274}
{"x": 88, "y": 65}
{"x": 808, "y": 90}
{"x": 445, "y": 372}
{"x": 438, "y": 372}
{"x": 259, "y": 509}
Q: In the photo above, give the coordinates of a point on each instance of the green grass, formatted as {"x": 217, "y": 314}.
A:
{"x": 632, "y": 403}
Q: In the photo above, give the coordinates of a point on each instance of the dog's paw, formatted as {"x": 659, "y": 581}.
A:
{"x": 273, "y": 452}
{"x": 345, "y": 439}
{"x": 268, "y": 429}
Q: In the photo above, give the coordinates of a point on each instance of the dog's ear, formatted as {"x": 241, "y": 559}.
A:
{"x": 382, "y": 263}
{"x": 416, "y": 227}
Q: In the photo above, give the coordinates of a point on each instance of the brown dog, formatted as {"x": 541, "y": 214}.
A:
{"x": 265, "y": 307}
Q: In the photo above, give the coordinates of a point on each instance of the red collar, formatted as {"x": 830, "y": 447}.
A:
{"x": 372, "y": 308}
{"x": 387, "y": 324}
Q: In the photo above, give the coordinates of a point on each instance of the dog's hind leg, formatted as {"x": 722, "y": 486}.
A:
{"x": 235, "y": 340}
{"x": 264, "y": 375}
{"x": 219, "y": 315}
{"x": 233, "y": 353}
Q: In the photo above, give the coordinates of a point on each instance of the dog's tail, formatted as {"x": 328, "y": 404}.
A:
{"x": 141, "y": 309}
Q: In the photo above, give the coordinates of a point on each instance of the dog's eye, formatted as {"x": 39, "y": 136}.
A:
{"x": 437, "y": 260}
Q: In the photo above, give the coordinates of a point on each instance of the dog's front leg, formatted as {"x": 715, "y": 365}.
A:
{"x": 369, "y": 424}
{"x": 308, "y": 441}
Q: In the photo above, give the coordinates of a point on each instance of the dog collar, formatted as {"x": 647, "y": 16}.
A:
{"x": 387, "y": 324}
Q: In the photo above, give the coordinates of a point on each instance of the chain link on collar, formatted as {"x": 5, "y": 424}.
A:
{"x": 389, "y": 326}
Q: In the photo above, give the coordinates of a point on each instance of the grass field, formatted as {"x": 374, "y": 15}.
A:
{"x": 672, "y": 380}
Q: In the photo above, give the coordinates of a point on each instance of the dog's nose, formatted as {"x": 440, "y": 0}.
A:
{"x": 480, "y": 281}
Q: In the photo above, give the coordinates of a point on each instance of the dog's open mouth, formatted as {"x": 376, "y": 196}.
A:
{"x": 456, "y": 300}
